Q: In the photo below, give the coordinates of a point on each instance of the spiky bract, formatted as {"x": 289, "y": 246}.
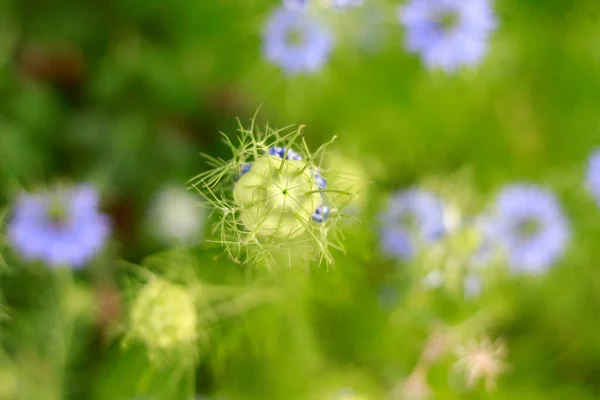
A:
{"x": 270, "y": 201}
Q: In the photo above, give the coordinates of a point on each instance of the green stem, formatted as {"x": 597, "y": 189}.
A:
{"x": 64, "y": 285}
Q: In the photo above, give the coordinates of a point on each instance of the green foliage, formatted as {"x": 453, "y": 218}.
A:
{"x": 127, "y": 94}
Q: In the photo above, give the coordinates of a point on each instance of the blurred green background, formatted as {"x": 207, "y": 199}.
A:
{"x": 126, "y": 94}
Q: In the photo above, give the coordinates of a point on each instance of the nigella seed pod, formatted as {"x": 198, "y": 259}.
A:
{"x": 276, "y": 198}
{"x": 271, "y": 200}
{"x": 163, "y": 316}
{"x": 322, "y": 212}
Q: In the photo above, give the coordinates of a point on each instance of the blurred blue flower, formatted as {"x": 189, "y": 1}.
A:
{"x": 414, "y": 217}
{"x": 530, "y": 224}
{"x": 296, "y": 41}
{"x": 448, "y": 33}
{"x": 61, "y": 227}
{"x": 593, "y": 175}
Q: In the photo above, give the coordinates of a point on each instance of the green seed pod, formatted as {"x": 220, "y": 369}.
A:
{"x": 277, "y": 197}
{"x": 163, "y": 316}
{"x": 271, "y": 202}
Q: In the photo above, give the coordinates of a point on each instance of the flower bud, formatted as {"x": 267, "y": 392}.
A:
{"x": 163, "y": 315}
{"x": 271, "y": 203}
{"x": 277, "y": 197}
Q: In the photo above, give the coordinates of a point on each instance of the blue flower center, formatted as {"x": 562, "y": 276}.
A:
{"x": 528, "y": 228}
{"x": 409, "y": 222}
{"x": 57, "y": 212}
{"x": 295, "y": 37}
{"x": 447, "y": 20}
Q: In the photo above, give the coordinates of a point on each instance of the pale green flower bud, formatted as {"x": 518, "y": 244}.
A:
{"x": 277, "y": 197}
{"x": 163, "y": 316}
{"x": 271, "y": 201}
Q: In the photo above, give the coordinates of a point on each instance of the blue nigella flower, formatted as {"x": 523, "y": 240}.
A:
{"x": 593, "y": 175}
{"x": 414, "y": 217}
{"x": 296, "y": 41}
{"x": 448, "y": 33}
{"x": 530, "y": 224}
{"x": 61, "y": 227}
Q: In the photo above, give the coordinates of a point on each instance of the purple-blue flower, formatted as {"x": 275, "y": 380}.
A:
{"x": 59, "y": 227}
{"x": 530, "y": 224}
{"x": 448, "y": 33}
{"x": 593, "y": 175}
{"x": 296, "y": 41}
{"x": 414, "y": 217}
